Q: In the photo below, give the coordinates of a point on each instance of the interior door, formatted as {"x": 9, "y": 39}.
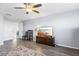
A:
{"x": 10, "y": 30}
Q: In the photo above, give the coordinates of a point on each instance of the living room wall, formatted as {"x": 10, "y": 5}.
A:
{"x": 65, "y": 26}
{"x": 1, "y": 29}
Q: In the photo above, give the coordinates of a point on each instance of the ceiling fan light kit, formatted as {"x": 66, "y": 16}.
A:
{"x": 29, "y": 7}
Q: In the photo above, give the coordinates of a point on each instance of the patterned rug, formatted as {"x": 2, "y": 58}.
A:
{"x": 23, "y": 51}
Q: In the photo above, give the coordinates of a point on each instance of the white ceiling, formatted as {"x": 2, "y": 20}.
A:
{"x": 47, "y": 9}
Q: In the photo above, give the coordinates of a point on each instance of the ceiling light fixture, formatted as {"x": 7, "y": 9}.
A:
{"x": 30, "y": 7}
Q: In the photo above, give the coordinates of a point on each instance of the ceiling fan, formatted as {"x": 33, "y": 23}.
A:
{"x": 30, "y": 7}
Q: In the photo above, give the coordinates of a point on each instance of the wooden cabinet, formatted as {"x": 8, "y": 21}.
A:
{"x": 46, "y": 40}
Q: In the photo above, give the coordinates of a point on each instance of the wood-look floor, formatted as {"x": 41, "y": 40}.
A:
{"x": 47, "y": 50}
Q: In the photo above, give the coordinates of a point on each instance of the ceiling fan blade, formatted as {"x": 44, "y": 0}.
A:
{"x": 38, "y": 5}
{"x": 35, "y": 11}
{"x": 24, "y": 3}
{"x": 19, "y": 7}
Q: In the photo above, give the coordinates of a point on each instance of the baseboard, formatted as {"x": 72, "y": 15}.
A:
{"x": 68, "y": 46}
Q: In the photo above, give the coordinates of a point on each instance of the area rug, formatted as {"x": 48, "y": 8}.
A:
{"x": 23, "y": 51}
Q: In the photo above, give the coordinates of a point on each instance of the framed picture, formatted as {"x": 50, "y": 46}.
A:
{"x": 45, "y": 31}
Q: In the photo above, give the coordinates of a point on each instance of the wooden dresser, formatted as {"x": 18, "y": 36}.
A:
{"x": 47, "y": 40}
